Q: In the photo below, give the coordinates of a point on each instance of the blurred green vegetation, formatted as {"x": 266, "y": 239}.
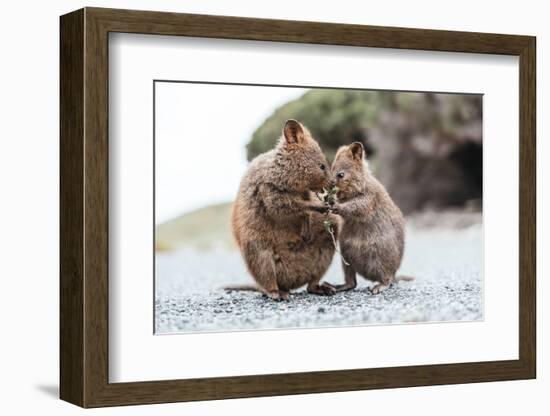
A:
{"x": 334, "y": 117}
{"x": 337, "y": 117}
{"x": 424, "y": 147}
{"x": 203, "y": 229}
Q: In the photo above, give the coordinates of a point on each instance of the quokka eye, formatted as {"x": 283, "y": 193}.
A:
{"x": 322, "y": 166}
{"x": 340, "y": 175}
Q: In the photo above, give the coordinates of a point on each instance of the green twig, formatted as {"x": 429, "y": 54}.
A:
{"x": 329, "y": 199}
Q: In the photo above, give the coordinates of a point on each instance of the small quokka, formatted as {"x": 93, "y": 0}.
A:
{"x": 276, "y": 222}
{"x": 372, "y": 234}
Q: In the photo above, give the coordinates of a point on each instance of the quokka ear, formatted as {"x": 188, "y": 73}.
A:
{"x": 357, "y": 150}
{"x": 293, "y": 132}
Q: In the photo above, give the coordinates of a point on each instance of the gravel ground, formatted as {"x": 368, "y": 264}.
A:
{"x": 447, "y": 265}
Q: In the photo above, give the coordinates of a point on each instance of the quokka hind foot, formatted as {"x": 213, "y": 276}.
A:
{"x": 323, "y": 289}
{"x": 380, "y": 287}
{"x": 275, "y": 294}
{"x": 278, "y": 295}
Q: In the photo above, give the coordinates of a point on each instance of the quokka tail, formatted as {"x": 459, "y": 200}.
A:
{"x": 403, "y": 278}
{"x": 243, "y": 287}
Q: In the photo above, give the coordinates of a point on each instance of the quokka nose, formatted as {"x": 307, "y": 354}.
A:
{"x": 332, "y": 183}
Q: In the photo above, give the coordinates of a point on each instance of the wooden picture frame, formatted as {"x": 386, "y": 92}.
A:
{"x": 84, "y": 207}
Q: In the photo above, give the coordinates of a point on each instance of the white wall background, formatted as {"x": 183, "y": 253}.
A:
{"x": 177, "y": 166}
{"x": 29, "y": 210}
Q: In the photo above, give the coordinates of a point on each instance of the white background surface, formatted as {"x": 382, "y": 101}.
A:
{"x": 138, "y": 59}
{"x": 184, "y": 129}
{"x": 29, "y": 220}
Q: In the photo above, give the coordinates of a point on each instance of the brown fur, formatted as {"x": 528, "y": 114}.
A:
{"x": 372, "y": 235}
{"x": 277, "y": 224}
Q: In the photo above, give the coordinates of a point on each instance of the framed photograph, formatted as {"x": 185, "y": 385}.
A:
{"x": 256, "y": 207}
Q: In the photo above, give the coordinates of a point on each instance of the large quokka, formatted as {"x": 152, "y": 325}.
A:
{"x": 277, "y": 224}
{"x": 372, "y": 234}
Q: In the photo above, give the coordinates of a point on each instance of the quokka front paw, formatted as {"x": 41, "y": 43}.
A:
{"x": 322, "y": 209}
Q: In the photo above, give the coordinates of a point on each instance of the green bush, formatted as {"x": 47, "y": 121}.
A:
{"x": 426, "y": 148}
{"x": 334, "y": 117}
